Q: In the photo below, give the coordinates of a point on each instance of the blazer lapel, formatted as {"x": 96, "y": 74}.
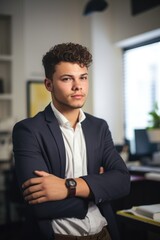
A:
{"x": 56, "y": 132}
{"x": 87, "y": 130}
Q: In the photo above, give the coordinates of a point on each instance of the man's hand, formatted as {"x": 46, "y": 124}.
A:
{"x": 101, "y": 170}
{"x": 45, "y": 187}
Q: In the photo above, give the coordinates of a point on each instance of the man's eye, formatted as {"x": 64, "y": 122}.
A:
{"x": 66, "y": 79}
{"x": 84, "y": 78}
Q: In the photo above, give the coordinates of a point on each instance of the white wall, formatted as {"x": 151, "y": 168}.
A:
{"x": 48, "y": 23}
{"x": 126, "y": 25}
{"x": 107, "y": 75}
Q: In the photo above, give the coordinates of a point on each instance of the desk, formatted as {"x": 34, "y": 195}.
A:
{"x": 143, "y": 169}
{"x": 138, "y": 227}
{"x": 149, "y": 224}
{"x": 142, "y": 192}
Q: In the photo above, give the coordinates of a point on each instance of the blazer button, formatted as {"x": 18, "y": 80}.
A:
{"x": 100, "y": 200}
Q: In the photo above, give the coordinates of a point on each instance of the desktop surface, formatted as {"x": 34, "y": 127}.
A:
{"x": 144, "y": 168}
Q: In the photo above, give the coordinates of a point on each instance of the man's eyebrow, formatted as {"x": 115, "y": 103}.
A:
{"x": 66, "y": 75}
{"x": 84, "y": 74}
{"x": 70, "y": 75}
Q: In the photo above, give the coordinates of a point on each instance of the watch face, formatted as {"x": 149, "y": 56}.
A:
{"x": 70, "y": 183}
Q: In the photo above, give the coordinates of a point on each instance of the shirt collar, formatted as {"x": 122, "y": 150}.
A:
{"x": 63, "y": 121}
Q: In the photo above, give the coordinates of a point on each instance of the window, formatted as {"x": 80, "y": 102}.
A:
{"x": 141, "y": 86}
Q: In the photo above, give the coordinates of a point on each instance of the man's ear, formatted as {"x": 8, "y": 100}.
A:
{"x": 48, "y": 84}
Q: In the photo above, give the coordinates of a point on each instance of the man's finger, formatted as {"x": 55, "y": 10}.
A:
{"x": 38, "y": 200}
{"x": 101, "y": 170}
{"x": 41, "y": 173}
{"x": 31, "y": 182}
{"x": 32, "y": 189}
{"x": 34, "y": 196}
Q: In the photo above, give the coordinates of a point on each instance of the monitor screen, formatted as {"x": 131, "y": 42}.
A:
{"x": 142, "y": 143}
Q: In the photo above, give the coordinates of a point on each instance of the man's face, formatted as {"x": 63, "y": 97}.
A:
{"x": 69, "y": 87}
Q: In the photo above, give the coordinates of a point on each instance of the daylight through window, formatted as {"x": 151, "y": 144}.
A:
{"x": 141, "y": 86}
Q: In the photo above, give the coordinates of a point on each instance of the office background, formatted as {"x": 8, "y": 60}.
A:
{"x": 37, "y": 25}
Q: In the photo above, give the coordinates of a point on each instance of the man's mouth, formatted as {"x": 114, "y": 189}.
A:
{"x": 78, "y": 96}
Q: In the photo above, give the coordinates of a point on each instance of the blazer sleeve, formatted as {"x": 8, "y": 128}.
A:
{"x": 28, "y": 157}
{"x": 115, "y": 181}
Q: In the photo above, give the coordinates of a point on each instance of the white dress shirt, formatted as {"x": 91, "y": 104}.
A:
{"x": 76, "y": 166}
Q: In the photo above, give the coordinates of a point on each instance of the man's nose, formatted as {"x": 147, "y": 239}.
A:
{"x": 76, "y": 86}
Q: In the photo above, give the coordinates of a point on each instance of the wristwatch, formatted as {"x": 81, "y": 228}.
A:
{"x": 71, "y": 186}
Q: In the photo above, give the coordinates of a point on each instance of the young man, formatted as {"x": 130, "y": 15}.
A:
{"x": 65, "y": 160}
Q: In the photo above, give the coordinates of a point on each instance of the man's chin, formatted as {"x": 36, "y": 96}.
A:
{"x": 77, "y": 106}
{"x": 70, "y": 106}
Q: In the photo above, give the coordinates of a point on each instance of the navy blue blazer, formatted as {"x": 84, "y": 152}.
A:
{"x": 38, "y": 145}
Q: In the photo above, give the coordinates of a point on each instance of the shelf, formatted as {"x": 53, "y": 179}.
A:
{"x": 5, "y": 67}
{"x": 6, "y": 58}
{"x": 5, "y": 109}
{"x": 4, "y": 96}
{"x": 5, "y": 33}
{"x": 5, "y": 77}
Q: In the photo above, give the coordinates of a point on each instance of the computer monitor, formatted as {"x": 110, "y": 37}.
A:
{"x": 143, "y": 146}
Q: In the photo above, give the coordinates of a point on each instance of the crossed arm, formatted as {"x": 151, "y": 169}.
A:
{"x": 47, "y": 187}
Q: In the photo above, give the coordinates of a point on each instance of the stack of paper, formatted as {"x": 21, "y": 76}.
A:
{"x": 150, "y": 211}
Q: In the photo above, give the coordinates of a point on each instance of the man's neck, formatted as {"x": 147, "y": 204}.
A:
{"x": 72, "y": 116}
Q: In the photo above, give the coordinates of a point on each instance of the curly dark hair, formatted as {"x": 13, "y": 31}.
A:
{"x": 65, "y": 52}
